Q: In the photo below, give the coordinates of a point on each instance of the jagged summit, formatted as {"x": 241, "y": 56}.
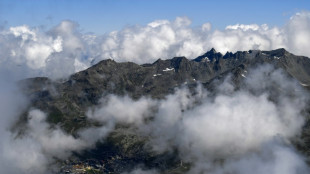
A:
{"x": 209, "y": 56}
{"x": 277, "y": 52}
{"x": 228, "y": 55}
{"x": 212, "y": 51}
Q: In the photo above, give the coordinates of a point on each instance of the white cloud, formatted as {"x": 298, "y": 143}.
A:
{"x": 16, "y": 155}
{"x": 30, "y": 51}
{"x": 242, "y": 117}
{"x": 165, "y": 39}
{"x": 243, "y": 27}
{"x": 272, "y": 158}
{"x": 159, "y": 39}
{"x": 116, "y": 110}
{"x": 71, "y": 38}
{"x": 32, "y": 48}
{"x": 135, "y": 114}
{"x": 35, "y": 47}
{"x": 54, "y": 142}
{"x": 206, "y": 27}
{"x": 24, "y": 32}
{"x": 297, "y": 33}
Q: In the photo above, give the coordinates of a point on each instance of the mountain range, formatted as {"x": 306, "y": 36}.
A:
{"x": 66, "y": 101}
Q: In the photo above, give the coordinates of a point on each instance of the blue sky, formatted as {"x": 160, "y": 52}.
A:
{"x": 101, "y": 16}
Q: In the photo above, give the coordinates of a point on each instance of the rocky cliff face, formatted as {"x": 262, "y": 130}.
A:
{"x": 66, "y": 101}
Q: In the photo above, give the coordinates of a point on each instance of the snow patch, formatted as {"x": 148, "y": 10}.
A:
{"x": 206, "y": 59}
{"x": 168, "y": 69}
{"x": 156, "y": 75}
{"x": 302, "y": 84}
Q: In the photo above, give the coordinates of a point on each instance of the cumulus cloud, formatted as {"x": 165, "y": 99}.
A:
{"x": 297, "y": 33}
{"x": 36, "y": 52}
{"x": 160, "y": 38}
{"x": 165, "y": 39}
{"x": 33, "y": 52}
{"x": 36, "y": 47}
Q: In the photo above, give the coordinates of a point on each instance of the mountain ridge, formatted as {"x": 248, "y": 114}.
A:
{"x": 155, "y": 80}
{"x": 66, "y": 101}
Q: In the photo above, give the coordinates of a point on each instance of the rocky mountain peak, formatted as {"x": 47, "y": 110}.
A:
{"x": 209, "y": 56}
{"x": 212, "y": 51}
{"x": 278, "y": 52}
